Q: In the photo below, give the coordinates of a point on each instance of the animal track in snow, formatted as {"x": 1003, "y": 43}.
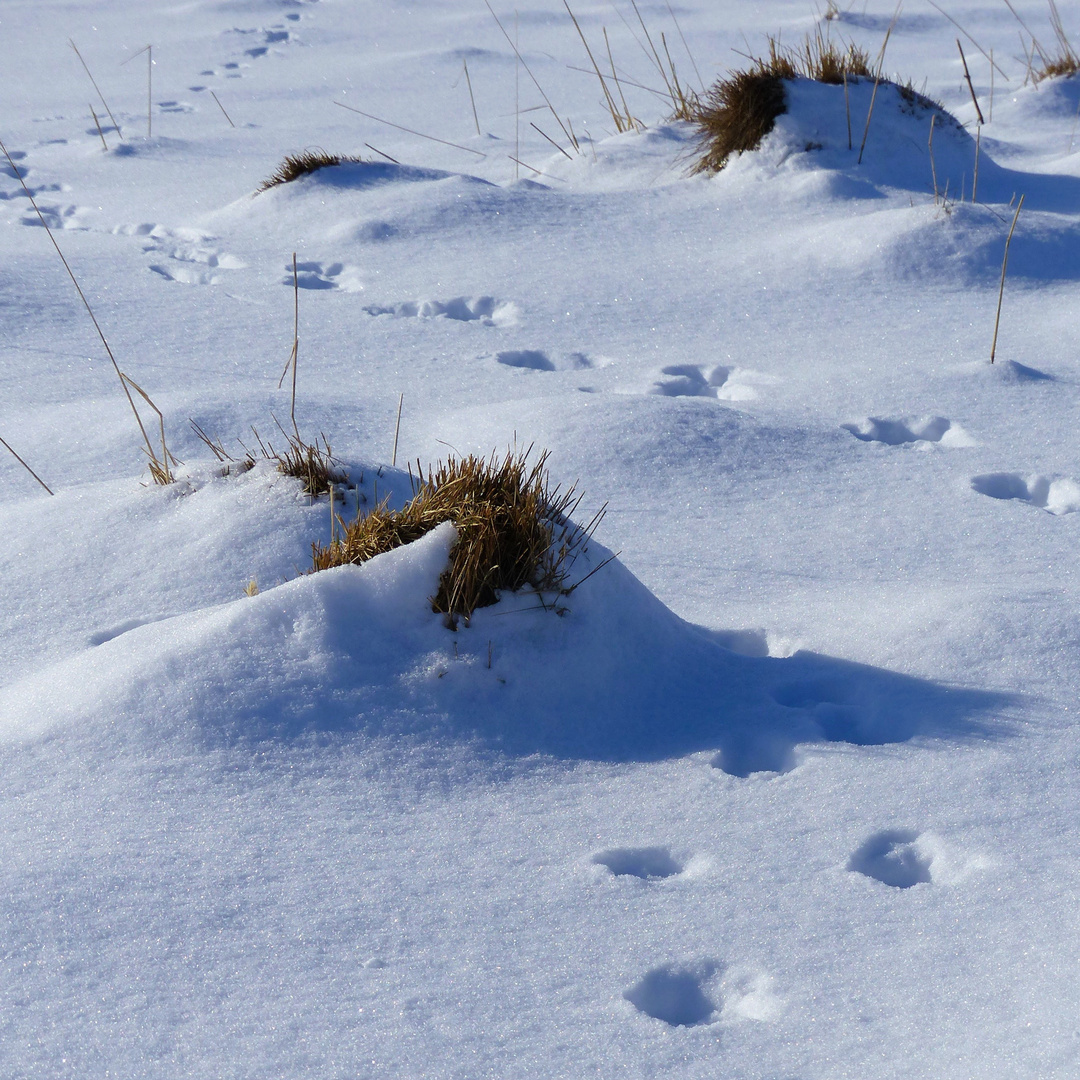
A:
{"x": 57, "y": 216}
{"x": 923, "y": 429}
{"x": 1057, "y": 497}
{"x": 893, "y": 857}
{"x": 538, "y": 360}
{"x": 533, "y": 359}
{"x": 317, "y": 275}
{"x": 759, "y": 754}
{"x": 175, "y": 107}
{"x": 486, "y": 310}
{"x": 192, "y": 262}
{"x": 724, "y": 383}
{"x": 646, "y": 863}
{"x": 277, "y": 35}
{"x": 675, "y": 994}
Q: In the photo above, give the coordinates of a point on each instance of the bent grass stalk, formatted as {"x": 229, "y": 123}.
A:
{"x": 1001, "y": 287}
{"x": 160, "y": 467}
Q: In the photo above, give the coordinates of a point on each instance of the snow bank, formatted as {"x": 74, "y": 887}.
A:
{"x": 607, "y": 673}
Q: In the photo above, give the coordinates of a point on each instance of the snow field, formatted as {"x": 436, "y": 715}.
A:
{"x": 788, "y": 791}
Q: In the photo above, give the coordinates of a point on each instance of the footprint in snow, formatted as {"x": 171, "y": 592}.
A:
{"x": 264, "y": 39}
{"x": 57, "y": 216}
{"x": 647, "y": 864}
{"x": 1061, "y": 496}
{"x": 721, "y": 382}
{"x": 922, "y": 431}
{"x": 191, "y": 262}
{"x": 538, "y": 360}
{"x": 757, "y": 753}
{"x": 486, "y": 310}
{"x": 893, "y": 857}
{"x": 317, "y": 275}
{"x": 175, "y": 107}
{"x": 676, "y": 994}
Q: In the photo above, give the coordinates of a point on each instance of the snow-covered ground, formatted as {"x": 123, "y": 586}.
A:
{"x": 788, "y": 791}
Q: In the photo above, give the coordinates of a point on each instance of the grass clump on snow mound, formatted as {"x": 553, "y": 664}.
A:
{"x": 738, "y": 111}
{"x": 296, "y": 165}
{"x": 512, "y": 532}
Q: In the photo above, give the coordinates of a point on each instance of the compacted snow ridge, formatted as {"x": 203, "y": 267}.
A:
{"x": 783, "y": 788}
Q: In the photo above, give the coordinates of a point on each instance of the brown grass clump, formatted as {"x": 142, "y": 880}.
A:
{"x": 739, "y": 111}
{"x": 297, "y": 165}
{"x": 314, "y": 466}
{"x": 512, "y": 531}
{"x": 1061, "y": 61}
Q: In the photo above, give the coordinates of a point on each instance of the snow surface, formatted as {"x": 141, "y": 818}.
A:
{"x": 785, "y": 790}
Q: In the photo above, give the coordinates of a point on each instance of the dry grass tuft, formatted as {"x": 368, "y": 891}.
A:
{"x": 297, "y": 165}
{"x": 512, "y": 530}
{"x": 314, "y": 466}
{"x": 739, "y": 111}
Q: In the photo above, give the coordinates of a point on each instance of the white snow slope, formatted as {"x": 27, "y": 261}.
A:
{"x": 786, "y": 791}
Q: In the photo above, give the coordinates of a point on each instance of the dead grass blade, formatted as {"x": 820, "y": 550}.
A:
{"x": 7, "y": 446}
{"x": 159, "y": 467}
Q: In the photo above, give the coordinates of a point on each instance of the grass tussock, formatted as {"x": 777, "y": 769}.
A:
{"x": 512, "y": 531}
{"x": 1063, "y": 60}
{"x": 737, "y": 112}
{"x": 313, "y": 465}
{"x": 297, "y": 165}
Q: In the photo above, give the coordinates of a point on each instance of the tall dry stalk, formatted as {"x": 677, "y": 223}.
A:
{"x": 160, "y": 465}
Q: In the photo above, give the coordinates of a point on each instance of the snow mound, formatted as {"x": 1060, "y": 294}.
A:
{"x": 820, "y": 137}
{"x": 609, "y": 673}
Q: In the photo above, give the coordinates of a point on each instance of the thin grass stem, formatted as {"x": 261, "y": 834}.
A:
{"x": 930, "y": 147}
{"x": 468, "y": 83}
{"x": 397, "y": 429}
{"x": 222, "y": 108}
{"x": 376, "y": 150}
{"x": 163, "y": 466}
{"x": 420, "y": 134}
{"x": 101, "y": 134}
{"x": 693, "y": 62}
{"x": 96, "y": 87}
{"x": 942, "y": 11}
{"x": 847, "y": 110}
{"x": 975, "y": 178}
{"x": 596, "y": 69}
{"x": 7, "y": 446}
{"x": 1001, "y": 287}
{"x": 967, "y": 76}
{"x": 552, "y": 141}
{"x": 528, "y": 70}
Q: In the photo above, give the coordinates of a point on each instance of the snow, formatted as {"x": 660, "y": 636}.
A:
{"x": 784, "y": 789}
